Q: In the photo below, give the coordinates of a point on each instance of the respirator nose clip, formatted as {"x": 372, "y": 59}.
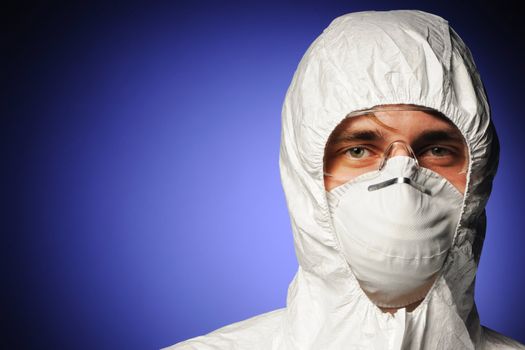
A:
{"x": 399, "y": 148}
{"x": 399, "y": 180}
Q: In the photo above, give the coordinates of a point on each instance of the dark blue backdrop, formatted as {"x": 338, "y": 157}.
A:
{"x": 143, "y": 203}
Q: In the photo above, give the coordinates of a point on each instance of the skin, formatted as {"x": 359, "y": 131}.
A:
{"x": 357, "y": 144}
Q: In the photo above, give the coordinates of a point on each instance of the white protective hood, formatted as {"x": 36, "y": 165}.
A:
{"x": 362, "y": 60}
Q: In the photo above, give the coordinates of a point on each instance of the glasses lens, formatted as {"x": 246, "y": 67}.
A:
{"x": 356, "y": 161}
{"x": 358, "y": 145}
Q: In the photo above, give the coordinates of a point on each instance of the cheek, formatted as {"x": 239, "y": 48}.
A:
{"x": 457, "y": 179}
{"x": 328, "y": 183}
{"x": 332, "y": 167}
{"x": 330, "y": 163}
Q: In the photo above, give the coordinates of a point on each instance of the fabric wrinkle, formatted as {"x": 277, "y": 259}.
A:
{"x": 360, "y": 61}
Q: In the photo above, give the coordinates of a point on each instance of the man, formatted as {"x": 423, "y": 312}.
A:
{"x": 387, "y": 160}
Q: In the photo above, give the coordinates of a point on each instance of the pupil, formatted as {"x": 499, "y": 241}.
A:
{"x": 357, "y": 152}
{"x": 437, "y": 151}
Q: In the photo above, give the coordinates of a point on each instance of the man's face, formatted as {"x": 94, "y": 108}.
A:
{"x": 358, "y": 143}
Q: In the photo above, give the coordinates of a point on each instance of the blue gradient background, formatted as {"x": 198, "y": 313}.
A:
{"x": 142, "y": 197}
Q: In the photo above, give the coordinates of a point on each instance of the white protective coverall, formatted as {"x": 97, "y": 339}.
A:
{"x": 362, "y": 60}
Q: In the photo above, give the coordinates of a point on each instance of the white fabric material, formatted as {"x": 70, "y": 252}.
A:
{"x": 362, "y": 60}
{"x": 396, "y": 238}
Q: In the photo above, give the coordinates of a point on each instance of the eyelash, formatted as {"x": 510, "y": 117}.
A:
{"x": 364, "y": 147}
{"x": 449, "y": 151}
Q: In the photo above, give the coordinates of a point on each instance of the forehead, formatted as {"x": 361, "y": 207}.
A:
{"x": 405, "y": 124}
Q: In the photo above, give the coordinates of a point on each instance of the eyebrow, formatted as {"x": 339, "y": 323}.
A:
{"x": 431, "y": 136}
{"x": 364, "y": 135}
{"x": 439, "y": 136}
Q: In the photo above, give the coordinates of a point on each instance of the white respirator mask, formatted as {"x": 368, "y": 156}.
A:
{"x": 395, "y": 227}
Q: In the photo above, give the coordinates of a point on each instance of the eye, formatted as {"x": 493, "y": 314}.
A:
{"x": 437, "y": 151}
{"x": 357, "y": 152}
